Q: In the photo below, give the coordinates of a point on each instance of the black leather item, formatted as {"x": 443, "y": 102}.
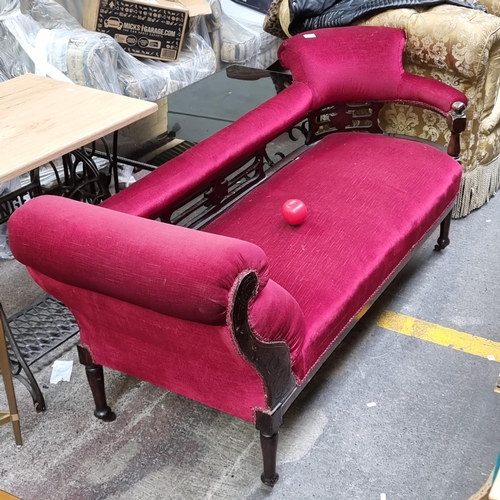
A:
{"x": 306, "y": 15}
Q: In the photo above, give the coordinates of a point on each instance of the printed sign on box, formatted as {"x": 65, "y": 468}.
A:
{"x": 145, "y": 29}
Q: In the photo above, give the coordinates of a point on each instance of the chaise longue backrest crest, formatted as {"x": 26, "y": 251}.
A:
{"x": 239, "y": 310}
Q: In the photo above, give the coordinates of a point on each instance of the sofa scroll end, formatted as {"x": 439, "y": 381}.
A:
{"x": 271, "y": 359}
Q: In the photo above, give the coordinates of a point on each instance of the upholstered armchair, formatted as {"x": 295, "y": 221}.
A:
{"x": 460, "y": 47}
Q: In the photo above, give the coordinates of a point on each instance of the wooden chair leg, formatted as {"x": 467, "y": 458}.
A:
{"x": 269, "y": 445}
{"x": 95, "y": 376}
{"x": 444, "y": 240}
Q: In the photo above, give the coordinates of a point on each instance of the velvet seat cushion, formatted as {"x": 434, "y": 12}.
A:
{"x": 370, "y": 200}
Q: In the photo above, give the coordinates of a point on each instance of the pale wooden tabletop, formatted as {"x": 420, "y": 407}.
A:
{"x": 42, "y": 119}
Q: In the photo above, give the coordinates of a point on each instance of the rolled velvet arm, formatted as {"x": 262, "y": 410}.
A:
{"x": 179, "y": 272}
{"x": 429, "y": 93}
{"x": 176, "y": 271}
{"x": 159, "y": 191}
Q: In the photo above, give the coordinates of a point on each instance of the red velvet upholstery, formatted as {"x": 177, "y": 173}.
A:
{"x": 155, "y": 301}
{"x": 370, "y": 200}
{"x": 360, "y": 63}
{"x": 338, "y": 65}
{"x": 144, "y": 295}
{"x": 167, "y": 264}
{"x": 189, "y": 358}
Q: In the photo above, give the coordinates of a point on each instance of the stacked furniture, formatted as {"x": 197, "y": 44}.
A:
{"x": 47, "y": 40}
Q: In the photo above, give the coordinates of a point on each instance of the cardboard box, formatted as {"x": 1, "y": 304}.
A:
{"x": 144, "y": 28}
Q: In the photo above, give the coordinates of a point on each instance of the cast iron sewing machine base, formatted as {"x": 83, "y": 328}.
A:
{"x": 31, "y": 334}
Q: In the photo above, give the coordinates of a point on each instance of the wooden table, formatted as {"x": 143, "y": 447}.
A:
{"x": 40, "y": 120}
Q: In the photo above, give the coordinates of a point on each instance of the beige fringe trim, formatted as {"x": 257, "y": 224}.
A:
{"x": 477, "y": 187}
{"x": 482, "y": 494}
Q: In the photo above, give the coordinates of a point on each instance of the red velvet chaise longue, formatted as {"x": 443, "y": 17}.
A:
{"x": 191, "y": 279}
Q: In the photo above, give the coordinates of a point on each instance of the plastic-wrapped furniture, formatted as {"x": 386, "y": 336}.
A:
{"x": 241, "y": 314}
{"x": 460, "y": 47}
{"x": 240, "y": 41}
{"x": 246, "y": 44}
{"x": 40, "y": 36}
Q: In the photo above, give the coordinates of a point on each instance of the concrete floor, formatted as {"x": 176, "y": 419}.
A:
{"x": 433, "y": 434}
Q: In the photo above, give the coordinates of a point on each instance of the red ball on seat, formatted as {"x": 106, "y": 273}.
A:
{"x": 294, "y": 212}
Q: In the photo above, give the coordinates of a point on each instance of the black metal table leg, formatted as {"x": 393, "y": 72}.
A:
{"x": 29, "y": 380}
{"x": 33, "y": 333}
{"x": 113, "y": 165}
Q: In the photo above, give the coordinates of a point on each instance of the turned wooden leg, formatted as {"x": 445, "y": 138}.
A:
{"x": 269, "y": 445}
{"x": 444, "y": 240}
{"x": 95, "y": 376}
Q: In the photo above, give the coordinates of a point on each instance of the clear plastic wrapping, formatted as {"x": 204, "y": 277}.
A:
{"x": 74, "y": 7}
{"x": 13, "y": 60}
{"x": 41, "y": 36}
{"x": 246, "y": 43}
{"x": 6, "y": 188}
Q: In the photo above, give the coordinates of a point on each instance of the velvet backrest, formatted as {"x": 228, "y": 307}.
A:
{"x": 172, "y": 270}
{"x": 160, "y": 191}
{"x": 360, "y": 63}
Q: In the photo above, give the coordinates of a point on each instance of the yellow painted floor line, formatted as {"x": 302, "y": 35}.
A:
{"x": 447, "y": 337}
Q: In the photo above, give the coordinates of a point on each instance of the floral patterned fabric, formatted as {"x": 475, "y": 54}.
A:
{"x": 492, "y": 6}
{"x": 460, "y": 47}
